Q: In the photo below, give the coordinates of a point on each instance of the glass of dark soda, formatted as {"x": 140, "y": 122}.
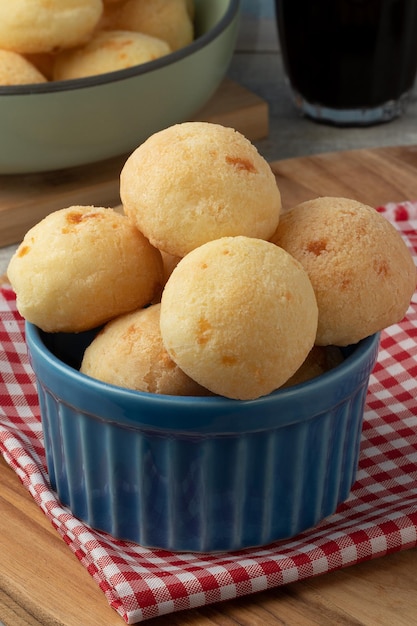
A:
{"x": 349, "y": 62}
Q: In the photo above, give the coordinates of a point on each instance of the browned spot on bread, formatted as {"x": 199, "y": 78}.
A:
{"x": 23, "y": 250}
{"x": 317, "y": 246}
{"x": 381, "y": 267}
{"x": 76, "y": 217}
{"x": 241, "y": 164}
{"x": 288, "y": 296}
{"x": 131, "y": 331}
{"x": 229, "y": 360}
{"x": 204, "y": 328}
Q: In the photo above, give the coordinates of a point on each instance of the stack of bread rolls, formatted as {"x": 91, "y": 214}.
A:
{"x": 67, "y": 39}
{"x": 205, "y": 285}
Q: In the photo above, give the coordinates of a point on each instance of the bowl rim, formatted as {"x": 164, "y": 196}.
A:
{"x": 136, "y": 70}
{"x": 308, "y": 398}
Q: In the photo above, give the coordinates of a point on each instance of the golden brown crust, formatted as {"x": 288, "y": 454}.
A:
{"x": 129, "y": 352}
{"x": 80, "y": 267}
{"x": 361, "y": 270}
{"x": 198, "y": 181}
{"x": 239, "y": 316}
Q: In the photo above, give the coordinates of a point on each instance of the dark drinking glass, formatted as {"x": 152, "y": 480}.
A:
{"x": 349, "y": 62}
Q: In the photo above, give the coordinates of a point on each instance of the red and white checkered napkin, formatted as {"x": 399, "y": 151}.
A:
{"x": 379, "y": 517}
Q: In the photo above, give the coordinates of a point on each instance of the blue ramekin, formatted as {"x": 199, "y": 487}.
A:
{"x": 198, "y": 474}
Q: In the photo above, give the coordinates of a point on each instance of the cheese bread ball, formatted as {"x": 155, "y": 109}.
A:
{"x": 37, "y": 26}
{"x": 108, "y": 51}
{"x": 197, "y": 181}
{"x": 82, "y": 266}
{"x": 360, "y": 267}
{"x": 169, "y": 20}
{"x": 239, "y": 316}
{"x": 16, "y": 70}
{"x": 129, "y": 352}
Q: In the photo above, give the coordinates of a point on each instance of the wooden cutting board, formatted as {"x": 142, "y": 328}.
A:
{"x": 43, "y": 584}
{"x": 373, "y": 176}
{"x": 26, "y": 199}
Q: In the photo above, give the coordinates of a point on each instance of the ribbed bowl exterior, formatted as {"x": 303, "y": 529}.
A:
{"x": 214, "y": 490}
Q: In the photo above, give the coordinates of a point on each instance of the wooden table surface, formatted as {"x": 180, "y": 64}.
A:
{"x": 43, "y": 584}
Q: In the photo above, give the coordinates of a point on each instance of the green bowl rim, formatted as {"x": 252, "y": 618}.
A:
{"x": 130, "y": 72}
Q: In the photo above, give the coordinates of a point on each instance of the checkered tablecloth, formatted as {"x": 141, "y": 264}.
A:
{"x": 379, "y": 517}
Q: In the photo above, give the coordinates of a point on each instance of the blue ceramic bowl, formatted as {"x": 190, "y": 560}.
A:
{"x": 198, "y": 474}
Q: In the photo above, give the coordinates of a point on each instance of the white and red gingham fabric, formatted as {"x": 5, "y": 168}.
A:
{"x": 379, "y": 517}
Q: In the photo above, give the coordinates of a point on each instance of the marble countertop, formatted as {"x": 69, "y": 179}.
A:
{"x": 257, "y": 64}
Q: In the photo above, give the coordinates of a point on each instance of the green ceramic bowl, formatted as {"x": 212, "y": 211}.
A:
{"x": 68, "y": 123}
